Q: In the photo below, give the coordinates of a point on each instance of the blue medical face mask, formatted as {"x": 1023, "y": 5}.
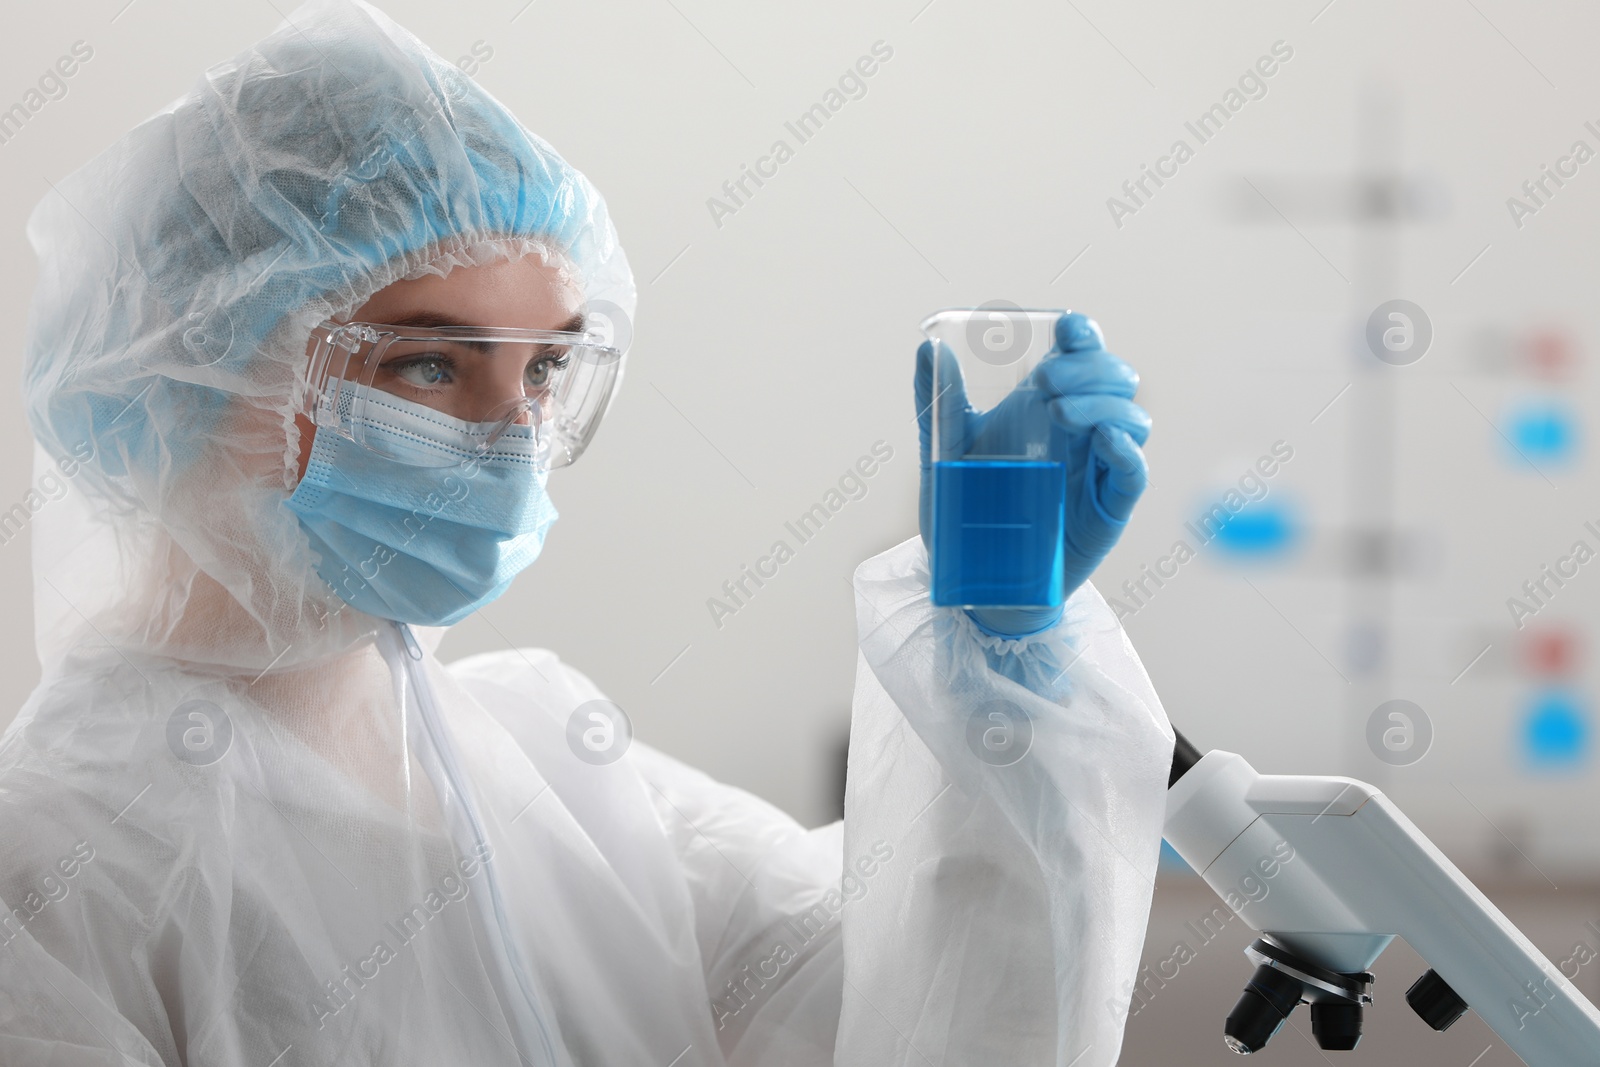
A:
{"x": 420, "y": 542}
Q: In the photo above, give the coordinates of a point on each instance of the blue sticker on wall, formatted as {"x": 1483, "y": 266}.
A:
{"x": 1258, "y": 529}
{"x": 1545, "y": 432}
{"x": 1555, "y": 731}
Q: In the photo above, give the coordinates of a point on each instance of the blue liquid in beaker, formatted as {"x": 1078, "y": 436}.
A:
{"x": 997, "y": 527}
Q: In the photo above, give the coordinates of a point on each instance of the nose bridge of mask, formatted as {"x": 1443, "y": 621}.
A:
{"x": 418, "y": 435}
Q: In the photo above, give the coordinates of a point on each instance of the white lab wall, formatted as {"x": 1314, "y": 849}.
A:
{"x": 773, "y": 350}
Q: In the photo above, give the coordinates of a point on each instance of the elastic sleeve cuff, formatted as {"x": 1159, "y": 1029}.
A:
{"x": 1050, "y": 622}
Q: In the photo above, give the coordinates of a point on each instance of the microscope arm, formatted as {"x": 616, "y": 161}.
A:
{"x": 1331, "y": 870}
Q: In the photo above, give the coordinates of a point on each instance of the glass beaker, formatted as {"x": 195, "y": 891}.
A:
{"x": 999, "y": 496}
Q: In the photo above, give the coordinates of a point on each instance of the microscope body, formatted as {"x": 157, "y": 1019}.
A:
{"x": 1331, "y": 871}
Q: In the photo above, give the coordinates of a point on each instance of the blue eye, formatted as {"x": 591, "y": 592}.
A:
{"x": 423, "y": 372}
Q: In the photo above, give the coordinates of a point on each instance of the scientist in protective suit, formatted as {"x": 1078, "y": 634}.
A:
{"x": 309, "y": 343}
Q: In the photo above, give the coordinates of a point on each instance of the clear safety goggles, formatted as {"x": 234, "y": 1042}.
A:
{"x": 554, "y": 383}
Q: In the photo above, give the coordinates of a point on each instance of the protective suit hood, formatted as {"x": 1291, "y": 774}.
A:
{"x": 181, "y": 272}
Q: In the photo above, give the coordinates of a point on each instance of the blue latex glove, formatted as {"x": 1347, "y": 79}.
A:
{"x": 1097, "y": 430}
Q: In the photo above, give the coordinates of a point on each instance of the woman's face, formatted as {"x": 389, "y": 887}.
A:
{"x": 515, "y": 294}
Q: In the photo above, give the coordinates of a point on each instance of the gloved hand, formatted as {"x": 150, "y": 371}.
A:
{"x": 1097, "y": 430}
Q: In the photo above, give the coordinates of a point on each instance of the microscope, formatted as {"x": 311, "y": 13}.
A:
{"x": 1329, "y": 871}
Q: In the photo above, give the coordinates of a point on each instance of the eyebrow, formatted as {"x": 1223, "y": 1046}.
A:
{"x": 433, "y": 320}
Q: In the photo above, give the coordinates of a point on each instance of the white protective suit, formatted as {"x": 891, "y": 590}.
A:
{"x": 242, "y": 825}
